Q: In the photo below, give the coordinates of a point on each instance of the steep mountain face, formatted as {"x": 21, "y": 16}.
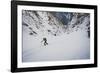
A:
{"x": 45, "y": 23}
{"x": 61, "y": 29}
{"x": 79, "y": 21}
{"x": 74, "y": 21}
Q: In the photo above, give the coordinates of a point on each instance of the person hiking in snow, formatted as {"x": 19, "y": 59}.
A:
{"x": 45, "y": 41}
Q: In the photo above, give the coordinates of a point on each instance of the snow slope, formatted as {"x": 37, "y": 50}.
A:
{"x": 64, "y": 47}
{"x": 67, "y": 40}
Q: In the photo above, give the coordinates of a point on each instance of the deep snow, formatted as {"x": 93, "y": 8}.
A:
{"x": 65, "y": 47}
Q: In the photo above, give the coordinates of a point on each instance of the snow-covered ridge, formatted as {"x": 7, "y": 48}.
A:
{"x": 42, "y": 23}
{"x": 54, "y": 23}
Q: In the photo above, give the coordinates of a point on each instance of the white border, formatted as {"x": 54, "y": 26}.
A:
{"x": 53, "y": 63}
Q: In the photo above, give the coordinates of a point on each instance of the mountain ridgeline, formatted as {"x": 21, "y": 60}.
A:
{"x": 44, "y": 23}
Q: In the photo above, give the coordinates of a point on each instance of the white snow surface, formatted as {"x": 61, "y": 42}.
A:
{"x": 65, "y": 47}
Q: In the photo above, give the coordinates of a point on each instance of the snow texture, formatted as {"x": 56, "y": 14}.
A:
{"x": 67, "y": 34}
